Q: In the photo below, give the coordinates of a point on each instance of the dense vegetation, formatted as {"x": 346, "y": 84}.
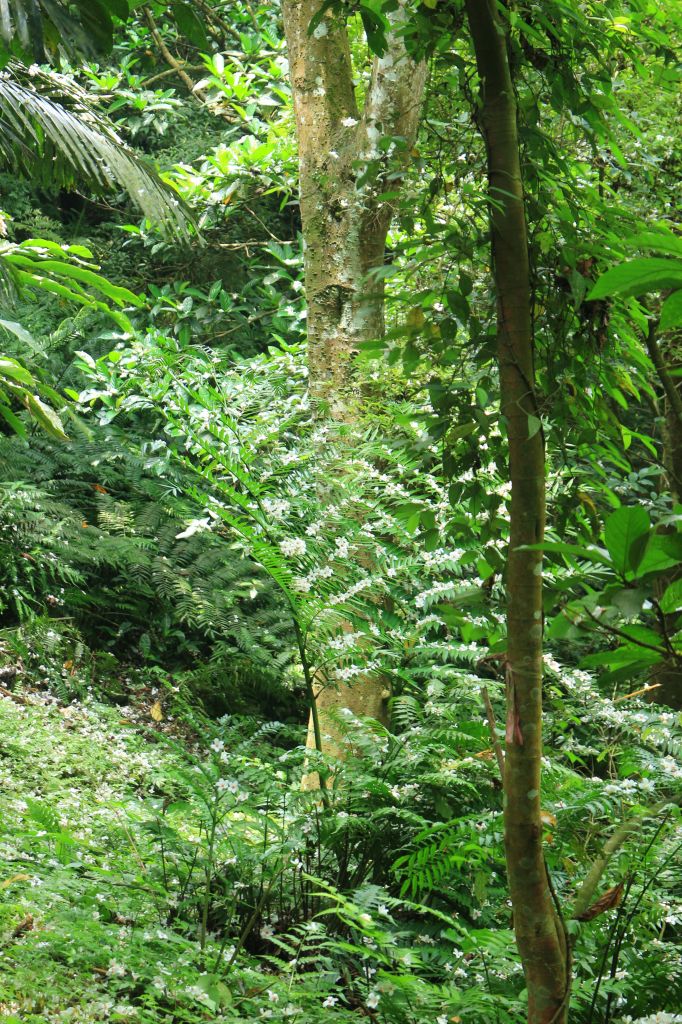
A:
{"x": 340, "y": 383}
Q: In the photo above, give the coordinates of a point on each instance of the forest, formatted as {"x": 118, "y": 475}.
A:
{"x": 340, "y": 512}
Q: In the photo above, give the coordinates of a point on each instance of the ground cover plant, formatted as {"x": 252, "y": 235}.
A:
{"x": 340, "y": 513}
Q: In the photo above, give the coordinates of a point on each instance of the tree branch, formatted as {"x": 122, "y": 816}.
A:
{"x": 671, "y": 392}
{"x": 492, "y": 725}
{"x": 168, "y": 56}
{"x": 587, "y": 890}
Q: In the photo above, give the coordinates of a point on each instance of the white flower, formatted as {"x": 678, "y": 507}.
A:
{"x": 272, "y": 996}
{"x": 293, "y": 546}
{"x": 196, "y": 526}
{"x": 276, "y": 507}
{"x": 330, "y": 1001}
{"x": 342, "y": 547}
{"x": 350, "y": 122}
{"x": 373, "y": 1000}
{"x": 227, "y": 786}
{"x": 116, "y": 970}
{"x": 443, "y": 1019}
{"x": 217, "y": 746}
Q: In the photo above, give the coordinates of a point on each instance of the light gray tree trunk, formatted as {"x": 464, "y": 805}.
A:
{"x": 345, "y": 222}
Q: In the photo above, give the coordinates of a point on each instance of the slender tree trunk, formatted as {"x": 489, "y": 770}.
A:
{"x": 345, "y": 224}
{"x": 668, "y": 675}
{"x": 540, "y": 936}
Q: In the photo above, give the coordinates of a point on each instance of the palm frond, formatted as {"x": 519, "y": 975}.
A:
{"x": 44, "y": 29}
{"x": 50, "y": 134}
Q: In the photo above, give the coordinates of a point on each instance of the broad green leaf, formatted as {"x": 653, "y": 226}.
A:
{"x": 120, "y": 295}
{"x": 652, "y": 274}
{"x": 658, "y": 240}
{"x": 672, "y": 598}
{"x": 14, "y": 422}
{"x": 571, "y": 551}
{"x": 46, "y": 416}
{"x": 13, "y": 371}
{"x": 658, "y": 556}
{"x": 119, "y": 8}
{"x": 671, "y": 311}
{"x": 19, "y": 332}
{"x": 625, "y": 655}
{"x": 622, "y": 531}
{"x": 628, "y": 601}
{"x": 190, "y": 25}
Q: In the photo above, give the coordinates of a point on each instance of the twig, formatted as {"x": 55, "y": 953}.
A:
{"x": 611, "y": 846}
{"x": 168, "y": 56}
{"x": 614, "y": 631}
{"x": 171, "y": 71}
{"x": 217, "y": 20}
{"x": 637, "y": 693}
{"x": 497, "y": 746}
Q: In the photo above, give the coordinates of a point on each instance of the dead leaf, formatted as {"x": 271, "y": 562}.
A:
{"x": 26, "y": 925}
{"x": 13, "y": 879}
{"x": 156, "y": 712}
{"x": 611, "y": 898}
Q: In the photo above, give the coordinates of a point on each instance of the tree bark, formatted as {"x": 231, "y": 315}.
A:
{"x": 540, "y": 935}
{"x": 345, "y": 222}
{"x": 668, "y": 675}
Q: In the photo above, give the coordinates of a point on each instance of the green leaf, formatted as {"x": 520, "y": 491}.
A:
{"x": 190, "y": 25}
{"x": 658, "y": 556}
{"x": 47, "y": 417}
{"x": 628, "y": 602}
{"x": 626, "y": 655}
{"x": 375, "y": 29}
{"x": 319, "y": 15}
{"x": 658, "y": 240}
{"x": 622, "y": 531}
{"x": 671, "y": 311}
{"x": 648, "y": 274}
{"x": 13, "y": 371}
{"x": 672, "y": 599}
{"x": 119, "y": 8}
{"x": 534, "y": 425}
{"x": 13, "y": 421}
{"x": 19, "y": 332}
{"x": 572, "y": 551}
{"x": 122, "y": 296}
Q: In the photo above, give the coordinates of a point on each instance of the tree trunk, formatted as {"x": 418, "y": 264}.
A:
{"x": 668, "y": 675}
{"x": 540, "y": 935}
{"x": 345, "y": 224}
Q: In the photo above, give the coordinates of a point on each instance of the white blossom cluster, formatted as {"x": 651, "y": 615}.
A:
{"x": 293, "y": 547}
{"x": 362, "y": 584}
